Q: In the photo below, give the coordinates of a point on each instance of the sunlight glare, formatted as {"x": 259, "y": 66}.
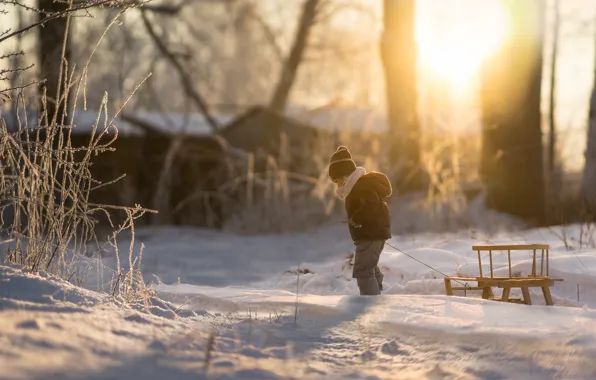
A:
{"x": 455, "y": 36}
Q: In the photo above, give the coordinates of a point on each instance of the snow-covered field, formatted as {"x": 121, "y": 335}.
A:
{"x": 232, "y": 310}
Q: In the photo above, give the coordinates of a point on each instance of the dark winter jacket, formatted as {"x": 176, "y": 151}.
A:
{"x": 367, "y": 209}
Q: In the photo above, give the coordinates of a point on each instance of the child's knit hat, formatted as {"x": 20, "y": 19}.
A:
{"x": 341, "y": 164}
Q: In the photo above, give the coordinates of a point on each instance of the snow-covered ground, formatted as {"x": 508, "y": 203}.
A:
{"x": 193, "y": 262}
{"x": 245, "y": 290}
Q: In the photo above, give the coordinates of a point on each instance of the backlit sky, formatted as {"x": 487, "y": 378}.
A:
{"x": 575, "y": 59}
{"x": 451, "y": 29}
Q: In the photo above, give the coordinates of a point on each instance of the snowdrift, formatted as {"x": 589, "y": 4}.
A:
{"x": 54, "y": 330}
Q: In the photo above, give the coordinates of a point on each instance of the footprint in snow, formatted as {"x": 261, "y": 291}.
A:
{"x": 137, "y": 318}
{"x": 367, "y": 356}
{"x": 126, "y": 334}
{"x": 437, "y": 373}
{"x": 254, "y": 353}
{"x": 30, "y": 324}
{"x": 578, "y": 341}
{"x": 157, "y": 346}
{"x": 392, "y": 348}
{"x": 469, "y": 349}
{"x": 223, "y": 364}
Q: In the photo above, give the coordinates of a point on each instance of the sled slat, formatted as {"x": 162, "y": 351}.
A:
{"x": 512, "y": 247}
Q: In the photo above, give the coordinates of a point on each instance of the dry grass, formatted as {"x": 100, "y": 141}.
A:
{"x": 277, "y": 200}
{"x": 46, "y": 184}
{"x": 451, "y": 166}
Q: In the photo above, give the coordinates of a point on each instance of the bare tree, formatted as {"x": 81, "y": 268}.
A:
{"x": 185, "y": 77}
{"x": 290, "y": 67}
{"x": 398, "y": 49}
{"x": 512, "y": 157}
{"x": 227, "y": 47}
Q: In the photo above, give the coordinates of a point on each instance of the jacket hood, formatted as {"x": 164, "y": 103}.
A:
{"x": 379, "y": 182}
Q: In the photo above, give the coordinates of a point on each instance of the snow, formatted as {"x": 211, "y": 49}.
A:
{"x": 169, "y": 123}
{"x": 229, "y": 310}
{"x": 211, "y": 260}
{"x": 193, "y": 123}
{"x": 349, "y": 117}
{"x": 83, "y": 121}
{"x": 331, "y": 118}
{"x": 361, "y": 119}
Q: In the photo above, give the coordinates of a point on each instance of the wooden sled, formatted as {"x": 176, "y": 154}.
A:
{"x": 486, "y": 284}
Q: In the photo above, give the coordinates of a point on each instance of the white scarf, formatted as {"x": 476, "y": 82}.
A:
{"x": 343, "y": 191}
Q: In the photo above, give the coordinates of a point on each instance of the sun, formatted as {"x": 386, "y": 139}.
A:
{"x": 455, "y": 36}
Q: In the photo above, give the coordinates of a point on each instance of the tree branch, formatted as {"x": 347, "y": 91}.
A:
{"x": 91, "y": 4}
{"x": 185, "y": 78}
{"x": 290, "y": 68}
{"x": 167, "y": 9}
{"x": 270, "y": 35}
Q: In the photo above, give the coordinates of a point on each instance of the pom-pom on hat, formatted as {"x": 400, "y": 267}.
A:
{"x": 341, "y": 164}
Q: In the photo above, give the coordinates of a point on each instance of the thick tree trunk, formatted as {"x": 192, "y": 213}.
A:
{"x": 552, "y": 135}
{"x": 588, "y": 187}
{"x": 512, "y": 160}
{"x": 290, "y": 68}
{"x": 51, "y": 47}
{"x": 398, "y": 51}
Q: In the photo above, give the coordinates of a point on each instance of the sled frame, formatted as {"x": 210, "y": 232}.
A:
{"x": 486, "y": 284}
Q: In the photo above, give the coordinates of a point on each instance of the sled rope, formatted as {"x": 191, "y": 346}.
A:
{"x": 425, "y": 264}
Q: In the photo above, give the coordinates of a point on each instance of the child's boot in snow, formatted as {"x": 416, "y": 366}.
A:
{"x": 368, "y": 286}
{"x": 379, "y": 277}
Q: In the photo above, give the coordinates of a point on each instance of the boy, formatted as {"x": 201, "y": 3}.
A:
{"x": 368, "y": 216}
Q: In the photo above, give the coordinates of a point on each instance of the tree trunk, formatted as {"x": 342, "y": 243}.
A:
{"x": 290, "y": 68}
{"x": 52, "y": 37}
{"x": 272, "y": 131}
{"x": 552, "y": 135}
{"x": 588, "y": 187}
{"x": 398, "y": 52}
{"x": 512, "y": 160}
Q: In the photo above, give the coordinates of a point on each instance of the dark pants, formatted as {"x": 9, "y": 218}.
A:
{"x": 366, "y": 268}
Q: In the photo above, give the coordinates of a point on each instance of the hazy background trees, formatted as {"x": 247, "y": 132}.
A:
{"x": 464, "y": 111}
{"x": 234, "y": 51}
{"x": 512, "y": 151}
{"x": 398, "y": 52}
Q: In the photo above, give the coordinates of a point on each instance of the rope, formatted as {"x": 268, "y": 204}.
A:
{"x": 425, "y": 264}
